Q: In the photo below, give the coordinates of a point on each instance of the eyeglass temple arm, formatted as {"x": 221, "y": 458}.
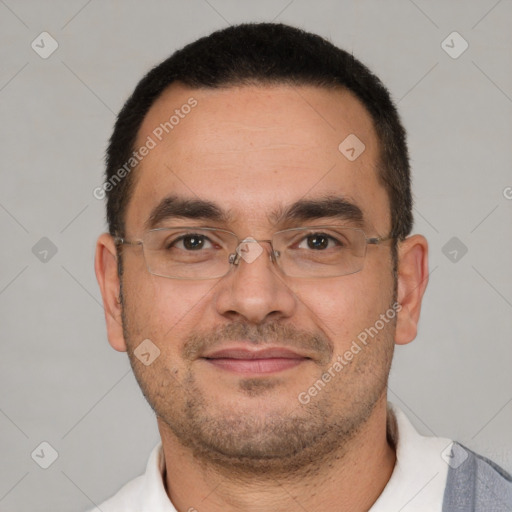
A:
{"x": 378, "y": 239}
{"x": 122, "y": 241}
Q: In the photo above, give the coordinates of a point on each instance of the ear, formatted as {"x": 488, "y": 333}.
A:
{"x": 412, "y": 282}
{"x": 105, "y": 267}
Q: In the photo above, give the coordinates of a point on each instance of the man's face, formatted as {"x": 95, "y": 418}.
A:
{"x": 254, "y": 151}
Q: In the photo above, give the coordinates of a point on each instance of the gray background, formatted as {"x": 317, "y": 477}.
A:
{"x": 62, "y": 383}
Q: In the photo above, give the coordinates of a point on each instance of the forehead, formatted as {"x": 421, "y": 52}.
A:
{"x": 256, "y": 149}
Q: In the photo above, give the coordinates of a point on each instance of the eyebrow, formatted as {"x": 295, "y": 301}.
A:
{"x": 331, "y": 207}
{"x": 177, "y": 207}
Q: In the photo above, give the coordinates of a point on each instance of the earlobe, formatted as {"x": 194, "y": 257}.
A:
{"x": 412, "y": 282}
{"x": 105, "y": 266}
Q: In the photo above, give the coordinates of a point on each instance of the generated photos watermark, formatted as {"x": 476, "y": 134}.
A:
{"x": 343, "y": 360}
{"x": 157, "y": 135}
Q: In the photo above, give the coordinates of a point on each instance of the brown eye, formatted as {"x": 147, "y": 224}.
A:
{"x": 191, "y": 242}
{"x": 319, "y": 242}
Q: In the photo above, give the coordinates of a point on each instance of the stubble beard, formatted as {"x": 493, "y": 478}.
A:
{"x": 274, "y": 445}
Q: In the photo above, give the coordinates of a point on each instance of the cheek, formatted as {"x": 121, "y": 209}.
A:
{"x": 164, "y": 310}
{"x": 343, "y": 307}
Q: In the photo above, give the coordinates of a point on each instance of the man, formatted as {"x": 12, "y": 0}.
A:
{"x": 258, "y": 270}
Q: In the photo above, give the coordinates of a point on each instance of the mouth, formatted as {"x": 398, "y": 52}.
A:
{"x": 247, "y": 361}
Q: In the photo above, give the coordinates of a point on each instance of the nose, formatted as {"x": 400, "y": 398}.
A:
{"x": 254, "y": 288}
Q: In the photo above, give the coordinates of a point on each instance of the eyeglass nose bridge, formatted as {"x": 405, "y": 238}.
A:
{"x": 249, "y": 249}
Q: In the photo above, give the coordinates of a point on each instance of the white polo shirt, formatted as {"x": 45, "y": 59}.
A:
{"x": 417, "y": 483}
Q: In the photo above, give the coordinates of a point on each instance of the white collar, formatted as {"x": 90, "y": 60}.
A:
{"x": 416, "y": 484}
{"x": 419, "y": 476}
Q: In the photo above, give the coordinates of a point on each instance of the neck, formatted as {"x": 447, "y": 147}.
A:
{"x": 351, "y": 480}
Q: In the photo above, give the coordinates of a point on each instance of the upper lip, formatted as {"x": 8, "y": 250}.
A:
{"x": 243, "y": 352}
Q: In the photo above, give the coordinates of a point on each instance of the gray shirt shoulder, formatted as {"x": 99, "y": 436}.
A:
{"x": 476, "y": 484}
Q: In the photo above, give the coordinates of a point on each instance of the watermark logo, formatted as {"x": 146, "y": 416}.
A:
{"x": 44, "y": 45}
{"x": 44, "y": 455}
{"x": 249, "y": 249}
{"x": 44, "y": 250}
{"x": 454, "y": 455}
{"x": 352, "y": 147}
{"x": 454, "y": 249}
{"x": 146, "y": 352}
{"x": 454, "y": 45}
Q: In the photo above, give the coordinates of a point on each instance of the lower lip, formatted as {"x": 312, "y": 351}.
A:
{"x": 256, "y": 366}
